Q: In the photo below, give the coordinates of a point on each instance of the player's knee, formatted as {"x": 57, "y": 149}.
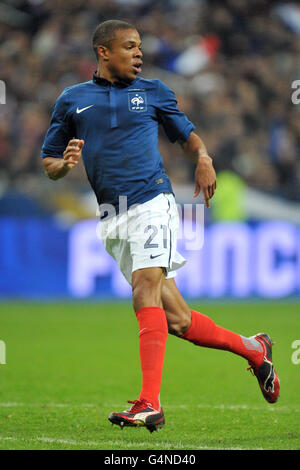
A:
{"x": 146, "y": 290}
{"x": 179, "y": 325}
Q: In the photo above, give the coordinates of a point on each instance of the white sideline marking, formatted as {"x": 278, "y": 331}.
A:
{"x": 49, "y": 439}
{"x": 159, "y": 445}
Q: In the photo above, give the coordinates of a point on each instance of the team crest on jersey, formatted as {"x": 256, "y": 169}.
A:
{"x": 137, "y": 101}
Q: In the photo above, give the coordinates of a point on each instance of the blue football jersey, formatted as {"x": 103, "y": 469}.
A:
{"x": 119, "y": 125}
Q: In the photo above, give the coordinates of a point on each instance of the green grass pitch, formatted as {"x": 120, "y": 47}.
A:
{"x": 68, "y": 365}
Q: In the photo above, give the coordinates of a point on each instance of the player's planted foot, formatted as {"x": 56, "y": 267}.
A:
{"x": 264, "y": 372}
{"x": 141, "y": 413}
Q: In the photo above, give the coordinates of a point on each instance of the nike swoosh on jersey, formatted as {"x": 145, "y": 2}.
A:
{"x": 83, "y": 109}
{"x": 156, "y": 256}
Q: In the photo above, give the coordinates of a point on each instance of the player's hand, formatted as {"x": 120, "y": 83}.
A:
{"x": 72, "y": 153}
{"x": 205, "y": 179}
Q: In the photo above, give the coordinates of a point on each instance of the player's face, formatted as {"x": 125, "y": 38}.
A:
{"x": 124, "y": 57}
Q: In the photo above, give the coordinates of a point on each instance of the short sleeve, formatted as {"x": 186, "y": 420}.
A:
{"x": 59, "y": 132}
{"x": 175, "y": 123}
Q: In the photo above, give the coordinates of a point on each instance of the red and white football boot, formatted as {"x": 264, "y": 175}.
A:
{"x": 141, "y": 413}
{"x": 265, "y": 373}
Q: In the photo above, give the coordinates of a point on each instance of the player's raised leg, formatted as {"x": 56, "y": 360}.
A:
{"x": 153, "y": 332}
{"x": 202, "y": 331}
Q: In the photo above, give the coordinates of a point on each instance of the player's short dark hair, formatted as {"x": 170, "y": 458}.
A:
{"x": 105, "y": 33}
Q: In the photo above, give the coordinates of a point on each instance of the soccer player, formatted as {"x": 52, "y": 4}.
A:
{"x": 112, "y": 122}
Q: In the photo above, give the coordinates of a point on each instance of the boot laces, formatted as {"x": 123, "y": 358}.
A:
{"x": 138, "y": 405}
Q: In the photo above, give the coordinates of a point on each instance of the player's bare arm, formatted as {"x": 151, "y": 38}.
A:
{"x": 205, "y": 175}
{"x": 56, "y": 168}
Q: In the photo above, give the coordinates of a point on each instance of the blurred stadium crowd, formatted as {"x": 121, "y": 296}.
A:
{"x": 230, "y": 62}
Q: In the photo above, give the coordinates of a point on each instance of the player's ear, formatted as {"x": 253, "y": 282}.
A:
{"x": 102, "y": 52}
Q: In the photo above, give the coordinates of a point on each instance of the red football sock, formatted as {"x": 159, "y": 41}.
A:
{"x": 204, "y": 332}
{"x": 152, "y": 338}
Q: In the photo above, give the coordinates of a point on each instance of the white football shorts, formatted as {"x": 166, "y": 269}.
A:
{"x": 144, "y": 237}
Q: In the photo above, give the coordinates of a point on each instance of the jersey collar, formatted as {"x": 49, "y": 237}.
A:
{"x": 104, "y": 82}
